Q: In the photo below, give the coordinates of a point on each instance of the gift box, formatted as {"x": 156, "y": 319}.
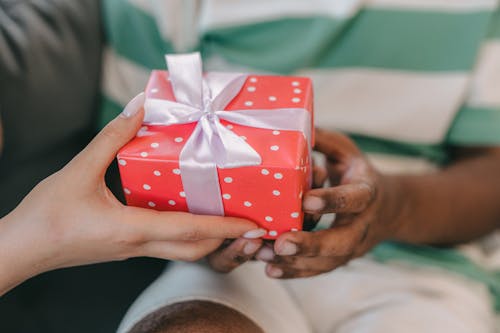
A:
{"x": 222, "y": 144}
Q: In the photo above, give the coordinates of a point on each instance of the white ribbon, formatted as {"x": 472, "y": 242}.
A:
{"x": 202, "y": 99}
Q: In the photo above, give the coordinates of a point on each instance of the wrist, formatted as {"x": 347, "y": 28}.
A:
{"x": 18, "y": 254}
{"x": 393, "y": 207}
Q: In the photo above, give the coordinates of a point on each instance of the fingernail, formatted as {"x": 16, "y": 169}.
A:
{"x": 133, "y": 106}
{"x": 312, "y": 203}
{"x": 265, "y": 254}
{"x": 250, "y": 248}
{"x": 287, "y": 249}
{"x": 256, "y": 233}
{"x": 274, "y": 272}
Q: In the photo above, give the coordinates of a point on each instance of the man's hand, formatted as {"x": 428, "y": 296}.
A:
{"x": 71, "y": 218}
{"x": 360, "y": 198}
{"x": 234, "y": 253}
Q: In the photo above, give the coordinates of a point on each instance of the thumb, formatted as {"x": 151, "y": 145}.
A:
{"x": 101, "y": 151}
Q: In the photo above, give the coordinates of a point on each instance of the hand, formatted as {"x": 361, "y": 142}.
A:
{"x": 233, "y": 253}
{"x": 362, "y": 200}
{"x": 71, "y": 218}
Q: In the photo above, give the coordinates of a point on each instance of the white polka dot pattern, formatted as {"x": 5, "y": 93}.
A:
{"x": 268, "y": 194}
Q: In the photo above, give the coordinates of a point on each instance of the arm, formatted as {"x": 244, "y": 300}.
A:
{"x": 71, "y": 218}
{"x": 457, "y": 204}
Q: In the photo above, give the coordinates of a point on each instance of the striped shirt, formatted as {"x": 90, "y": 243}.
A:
{"x": 407, "y": 79}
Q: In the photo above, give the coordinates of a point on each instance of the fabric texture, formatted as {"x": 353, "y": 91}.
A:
{"x": 364, "y": 296}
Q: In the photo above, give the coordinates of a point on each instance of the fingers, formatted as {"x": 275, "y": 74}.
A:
{"x": 101, "y": 151}
{"x": 286, "y": 272}
{"x": 298, "y": 267}
{"x": 303, "y": 254}
{"x": 334, "y": 145}
{"x": 349, "y": 198}
{"x": 319, "y": 176}
{"x": 238, "y": 252}
{"x": 336, "y": 242}
{"x": 186, "y": 251}
{"x": 179, "y": 226}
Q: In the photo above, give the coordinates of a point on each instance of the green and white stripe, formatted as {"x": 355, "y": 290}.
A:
{"x": 406, "y": 78}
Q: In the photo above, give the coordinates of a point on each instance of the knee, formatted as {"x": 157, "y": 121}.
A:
{"x": 196, "y": 316}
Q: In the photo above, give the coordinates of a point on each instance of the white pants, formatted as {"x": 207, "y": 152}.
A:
{"x": 363, "y": 297}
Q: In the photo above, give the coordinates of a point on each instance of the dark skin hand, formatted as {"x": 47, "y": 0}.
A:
{"x": 456, "y": 204}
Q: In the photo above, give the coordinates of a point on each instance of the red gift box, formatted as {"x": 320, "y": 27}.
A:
{"x": 269, "y": 194}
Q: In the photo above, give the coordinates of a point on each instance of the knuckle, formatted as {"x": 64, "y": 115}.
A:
{"x": 191, "y": 235}
{"x": 111, "y": 131}
{"x": 349, "y": 247}
{"x": 340, "y": 201}
{"x": 318, "y": 249}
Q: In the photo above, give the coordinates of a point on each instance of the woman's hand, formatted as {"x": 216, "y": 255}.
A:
{"x": 71, "y": 218}
{"x": 362, "y": 200}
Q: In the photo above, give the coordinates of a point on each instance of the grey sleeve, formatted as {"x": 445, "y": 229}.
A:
{"x": 50, "y": 53}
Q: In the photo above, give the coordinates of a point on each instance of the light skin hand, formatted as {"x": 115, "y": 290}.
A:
{"x": 435, "y": 208}
{"x": 71, "y": 218}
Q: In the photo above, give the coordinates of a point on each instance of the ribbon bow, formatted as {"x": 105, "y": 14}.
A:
{"x": 202, "y": 99}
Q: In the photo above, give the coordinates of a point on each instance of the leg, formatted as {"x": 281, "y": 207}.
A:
{"x": 371, "y": 297}
{"x": 196, "y": 316}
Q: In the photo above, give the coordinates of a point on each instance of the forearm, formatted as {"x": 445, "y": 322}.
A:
{"x": 457, "y": 204}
